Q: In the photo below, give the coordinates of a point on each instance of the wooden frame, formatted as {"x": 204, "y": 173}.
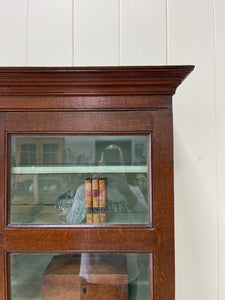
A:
{"x": 121, "y": 100}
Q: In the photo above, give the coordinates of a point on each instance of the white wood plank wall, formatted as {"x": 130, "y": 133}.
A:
{"x": 220, "y": 138}
{"x": 191, "y": 40}
{"x": 13, "y": 32}
{"x": 143, "y": 32}
{"x": 49, "y": 33}
{"x": 150, "y": 32}
{"x": 96, "y": 32}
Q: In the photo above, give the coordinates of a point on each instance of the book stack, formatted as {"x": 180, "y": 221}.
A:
{"x": 95, "y": 189}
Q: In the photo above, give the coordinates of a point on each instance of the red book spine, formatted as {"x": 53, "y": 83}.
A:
{"x": 89, "y": 204}
{"x": 102, "y": 199}
{"x": 95, "y": 198}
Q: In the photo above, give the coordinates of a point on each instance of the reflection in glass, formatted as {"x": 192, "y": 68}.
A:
{"x": 48, "y": 175}
{"x": 80, "y": 276}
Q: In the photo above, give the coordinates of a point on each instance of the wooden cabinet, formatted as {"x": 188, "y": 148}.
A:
{"x": 60, "y": 126}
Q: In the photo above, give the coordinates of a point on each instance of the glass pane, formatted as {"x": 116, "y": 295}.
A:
{"x": 79, "y": 179}
{"x": 80, "y": 276}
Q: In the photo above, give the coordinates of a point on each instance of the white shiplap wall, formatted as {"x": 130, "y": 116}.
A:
{"x": 191, "y": 40}
{"x": 220, "y": 138}
{"x": 150, "y": 32}
{"x": 143, "y": 32}
{"x": 13, "y": 32}
{"x": 49, "y": 32}
{"x": 96, "y": 32}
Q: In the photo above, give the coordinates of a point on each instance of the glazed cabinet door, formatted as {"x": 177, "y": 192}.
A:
{"x": 86, "y": 205}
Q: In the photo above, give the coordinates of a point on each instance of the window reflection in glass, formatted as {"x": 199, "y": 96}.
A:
{"x": 28, "y": 154}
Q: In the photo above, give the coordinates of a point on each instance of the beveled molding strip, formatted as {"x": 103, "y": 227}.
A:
{"x": 91, "y": 81}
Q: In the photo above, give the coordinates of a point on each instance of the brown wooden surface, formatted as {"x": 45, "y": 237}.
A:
{"x": 162, "y": 80}
{"x": 163, "y": 205}
{"x": 62, "y": 292}
{"x": 81, "y": 239}
{"x": 103, "y": 269}
{"x": 94, "y": 292}
{"x": 2, "y": 274}
{"x": 104, "y": 292}
{"x": 115, "y": 100}
{"x": 2, "y": 171}
{"x": 77, "y": 103}
{"x": 84, "y": 122}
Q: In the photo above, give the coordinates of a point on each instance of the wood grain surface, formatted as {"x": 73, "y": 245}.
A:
{"x": 94, "y": 239}
{"x": 158, "y": 80}
{"x": 80, "y": 122}
{"x": 163, "y": 205}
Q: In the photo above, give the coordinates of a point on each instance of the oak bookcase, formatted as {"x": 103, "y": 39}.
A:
{"x": 55, "y": 123}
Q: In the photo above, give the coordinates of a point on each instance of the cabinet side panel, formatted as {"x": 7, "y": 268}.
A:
{"x": 2, "y": 208}
{"x": 2, "y": 274}
{"x": 2, "y": 184}
{"x": 163, "y": 205}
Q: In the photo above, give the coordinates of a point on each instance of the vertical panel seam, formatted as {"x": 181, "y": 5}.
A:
{"x": 73, "y": 33}
{"x": 216, "y": 146}
{"x": 167, "y": 32}
{"x": 119, "y": 59}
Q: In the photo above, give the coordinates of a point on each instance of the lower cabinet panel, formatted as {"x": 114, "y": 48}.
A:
{"x": 83, "y": 276}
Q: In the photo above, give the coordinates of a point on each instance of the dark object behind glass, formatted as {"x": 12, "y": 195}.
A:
{"x": 111, "y": 157}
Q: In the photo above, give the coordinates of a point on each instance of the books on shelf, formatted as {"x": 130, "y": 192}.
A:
{"x": 88, "y": 200}
{"x": 95, "y": 199}
{"x": 95, "y": 190}
{"x": 102, "y": 200}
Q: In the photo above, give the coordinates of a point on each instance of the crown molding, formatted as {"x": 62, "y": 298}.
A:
{"x": 91, "y": 81}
